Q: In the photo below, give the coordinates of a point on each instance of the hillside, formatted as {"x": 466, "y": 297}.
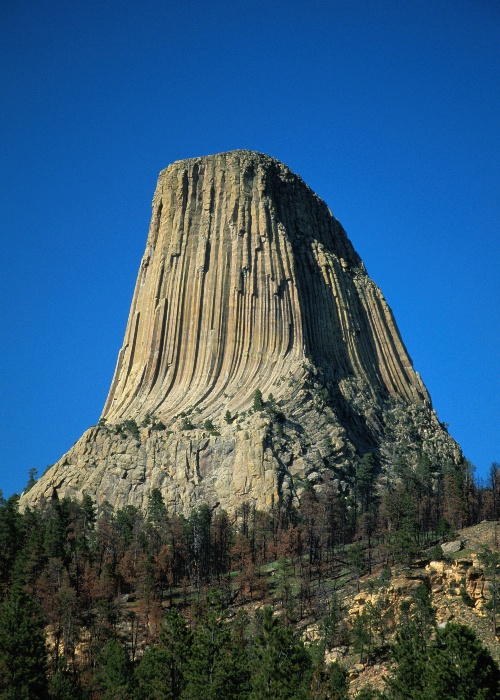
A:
{"x": 107, "y": 589}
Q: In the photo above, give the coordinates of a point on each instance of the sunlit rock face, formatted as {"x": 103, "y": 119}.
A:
{"x": 247, "y": 282}
{"x": 245, "y": 275}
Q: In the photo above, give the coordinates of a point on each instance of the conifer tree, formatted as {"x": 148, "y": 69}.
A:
{"x": 357, "y": 560}
{"x": 365, "y": 480}
{"x": 459, "y": 667}
{"x": 370, "y": 693}
{"x": 362, "y": 635}
{"x": 453, "y": 666}
{"x": 55, "y": 530}
{"x": 62, "y": 685}
{"x": 160, "y": 673}
{"x": 330, "y": 623}
{"x": 32, "y": 475}
{"x": 200, "y": 522}
{"x": 151, "y": 675}
{"x": 10, "y": 537}
{"x": 114, "y": 675}
{"x": 329, "y": 682}
{"x": 416, "y": 624}
{"x": 216, "y": 667}
{"x": 23, "y": 652}
{"x": 338, "y": 682}
{"x": 258, "y": 401}
{"x": 494, "y": 483}
{"x": 157, "y": 510}
{"x": 281, "y": 665}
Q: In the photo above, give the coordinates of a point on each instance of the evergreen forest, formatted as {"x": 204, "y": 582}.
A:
{"x": 105, "y": 604}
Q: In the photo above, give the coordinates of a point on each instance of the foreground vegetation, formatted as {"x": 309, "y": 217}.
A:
{"x": 103, "y": 604}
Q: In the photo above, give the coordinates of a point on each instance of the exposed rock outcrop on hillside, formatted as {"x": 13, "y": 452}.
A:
{"x": 248, "y": 282}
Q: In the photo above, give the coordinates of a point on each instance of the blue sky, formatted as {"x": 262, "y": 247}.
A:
{"x": 389, "y": 110}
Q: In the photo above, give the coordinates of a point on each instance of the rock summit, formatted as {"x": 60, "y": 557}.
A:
{"x": 259, "y": 358}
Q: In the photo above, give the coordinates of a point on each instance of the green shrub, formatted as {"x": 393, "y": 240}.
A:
{"x": 130, "y": 426}
{"x": 147, "y": 420}
{"x": 258, "y": 402}
{"x": 436, "y": 554}
{"x": 158, "y": 425}
{"x": 209, "y": 425}
{"x": 385, "y": 576}
{"x": 152, "y": 421}
{"x": 466, "y": 597}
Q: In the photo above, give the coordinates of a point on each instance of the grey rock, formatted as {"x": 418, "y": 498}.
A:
{"x": 451, "y": 547}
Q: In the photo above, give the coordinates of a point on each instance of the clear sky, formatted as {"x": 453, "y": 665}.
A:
{"x": 388, "y": 109}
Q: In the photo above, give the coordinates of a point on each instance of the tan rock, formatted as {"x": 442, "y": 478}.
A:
{"x": 247, "y": 282}
{"x": 436, "y": 567}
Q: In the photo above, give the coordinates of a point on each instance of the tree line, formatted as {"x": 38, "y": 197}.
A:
{"x": 92, "y": 595}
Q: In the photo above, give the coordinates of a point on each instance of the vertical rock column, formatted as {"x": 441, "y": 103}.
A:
{"x": 247, "y": 274}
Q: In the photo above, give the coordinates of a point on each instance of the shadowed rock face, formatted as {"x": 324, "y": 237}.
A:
{"x": 248, "y": 282}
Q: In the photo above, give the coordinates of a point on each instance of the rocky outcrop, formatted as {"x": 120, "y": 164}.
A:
{"x": 247, "y": 275}
{"x": 452, "y": 547}
{"x": 248, "y": 282}
{"x": 454, "y": 586}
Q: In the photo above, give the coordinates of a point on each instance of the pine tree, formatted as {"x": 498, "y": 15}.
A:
{"x": 357, "y": 560}
{"x": 258, "y": 401}
{"x": 370, "y": 693}
{"x": 200, "y": 521}
{"x": 160, "y": 673}
{"x": 459, "y": 667}
{"x": 405, "y": 540}
{"x": 281, "y": 664}
{"x": 329, "y": 682}
{"x": 62, "y": 685}
{"x": 32, "y": 475}
{"x": 365, "y": 479}
{"x": 453, "y": 666}
{"x": 362, "y": 635}
{"x": 10, "y": 537}
{"x": 409, "y": 651}
{"x": 217, "y": 667}
{"x": 55, "y": 531}
{"x": 330, "y": 623}
{"x": 114, "y": 675}
{"x": 284, "y": 590}
{"x": 338, "y": 682}
{"x": 88, "y": 515}
{"x": 23, "y": 652}
{"x": 157, "y": 511}
{"x": 494, "y": 483}
{"x": 152, "y": 675}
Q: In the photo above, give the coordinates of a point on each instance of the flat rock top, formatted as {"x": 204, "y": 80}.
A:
{"x": 236, "y": 158}
{"x": 236, "y": 155}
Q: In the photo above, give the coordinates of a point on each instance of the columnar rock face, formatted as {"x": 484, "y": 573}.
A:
{"x": 246, "y": 274}
{"x": 247, "y": 282}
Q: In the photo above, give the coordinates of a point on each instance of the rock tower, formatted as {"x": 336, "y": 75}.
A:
{"x": 248, "y": 284}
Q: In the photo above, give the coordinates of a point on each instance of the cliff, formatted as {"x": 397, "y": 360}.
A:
{"x": 248, "y": 283}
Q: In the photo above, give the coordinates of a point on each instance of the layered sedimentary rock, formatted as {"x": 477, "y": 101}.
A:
{"x": 248, "y": 282}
